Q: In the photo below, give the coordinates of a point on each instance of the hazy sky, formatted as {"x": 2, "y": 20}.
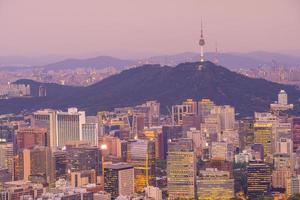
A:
{"x": 145, "y": 27}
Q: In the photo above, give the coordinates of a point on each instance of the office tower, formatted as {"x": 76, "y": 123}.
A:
{"x": 153, "y": 192}
{"x": 6, "y": 157}
{"x": 46, "y": 119}
{"x": 102, "y": 195}
{"x": 192, "y": 104}
{"x": 280, "y": 177}
{"x": 119, "y": 179}
{"x": 69, "y": 126}
{"x": 7, "y": 133}
{"x": 18, "y": 189}
{"x": 30, "y": 137}
{"x": 282, "y": 98}
{"x": 197, "y": 137}
{"x": 163, "y": 143}
{"x": 190, "y": 121}
{"x": 227, "y": 116}
{"x": 181, "y": 169}
{"x": 296, "y": 133}
{"x": 284, "y": 145}
{"x": 178, "y": 111}
{"x": 257, "y": 152}
{"x": 263, "y": 135}
{"x": 141, "y": 154}
{"x": 211, "y": 128}
{"x": 258, "y": 179}
{"x": 90, "y": 133}
{"x": 219, "y": 151}
{"x": 204, "y": 107}
{"x": 231, "y": 136}
{"x": 138, "y": 125}
{"x": 82, "y": 178}
{"x": 61, "y": 162}
{"x": 295, "y": 184}
{"x": 38, "y": 162}
{"x": 5, "y": 176}
{"x": 85, "y": 158}
{"x": 115, "y": 146}
{"x": 215, "y": 184}
{"x": 154, "y": 113}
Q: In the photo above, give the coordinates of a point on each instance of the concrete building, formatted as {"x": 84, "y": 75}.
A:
{"x": 119, "y": 179}
{"x": 214, "y": 184}
{"x": 153, "y": 192}
{"x": 181, "y": 169}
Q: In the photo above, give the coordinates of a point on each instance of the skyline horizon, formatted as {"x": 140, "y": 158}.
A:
{"x": 68, "y": 28}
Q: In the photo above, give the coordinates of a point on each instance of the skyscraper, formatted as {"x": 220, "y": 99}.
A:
{"x": 141, "y": 154}
{"x": 119, "y": 179}
{"x": 30, "y": 137}
{"x": 296, "y": 133}
{"x": 258, "y": 179}
{"x": 181, "y": 169}
{"x": 85, "y": 158}
{"x": 69, "y": 126}
{"x": 38, "y": 162}
{"x": 215, "y": 184}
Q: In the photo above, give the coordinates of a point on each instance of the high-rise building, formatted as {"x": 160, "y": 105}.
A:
{"x": 38, "y": 162}
{"x": 215, "y": 184}
{"x": 153, "y": 192}
{"x": 85, "y": 158}
{"x": 83, "y": 178}
{"x": 46, "y": 119}
{"x": 61, "y": 126}
{"x": 119, "y": 179}
{"x": 284, "y": 145}
{"x": 141, "y": 154}
{"x": 30, "y": 137}
{"x": 181, "y": 169}
{"x": 219, "y": 151}
{"x": 282, "y": 98}
{"x": 178, "y": 111}
{"x": 6, "y": 157}
{"x": 258, "y": 179}
{"x": 90, "y": 133}
{"x": 227, "y": 116}
{"x": 296, "y": 133}
{"x": 263, "y": 135}
{"x": 204, "y": 107}
{"x": 69, "y": 126}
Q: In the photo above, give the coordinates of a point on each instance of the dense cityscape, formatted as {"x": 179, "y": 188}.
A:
{"x": 166, "y": 126}
{"x": 199, "y": 151}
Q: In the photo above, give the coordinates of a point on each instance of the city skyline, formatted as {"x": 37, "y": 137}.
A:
{"x": 68, "y": 28}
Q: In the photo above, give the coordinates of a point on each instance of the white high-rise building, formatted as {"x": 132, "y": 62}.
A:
{"x": 153, "y": 192}
{"x": 284, "y": 145}
{"x": 282, "y": 98}
{"x": 90, "y": 133}
{"x": 69, "y": 126}
{"x": 227, "y": 116}
{"x": 61, "y": 126}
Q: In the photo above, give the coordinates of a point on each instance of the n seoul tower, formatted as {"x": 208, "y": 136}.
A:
{"x": 201, "y": 43}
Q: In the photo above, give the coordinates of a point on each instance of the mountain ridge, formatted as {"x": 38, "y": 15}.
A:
{"x": 168, "y": 85}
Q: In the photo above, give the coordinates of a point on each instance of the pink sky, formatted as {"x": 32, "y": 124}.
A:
{"x": 145, "y": 27}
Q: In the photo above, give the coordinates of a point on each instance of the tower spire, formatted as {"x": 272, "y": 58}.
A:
{"x": 201, "y": 43}
{"x": 216, "y": 61}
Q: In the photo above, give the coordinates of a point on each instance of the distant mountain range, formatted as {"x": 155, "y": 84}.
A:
{"x": 168, "y": 85}
{"x": 229, "y": 60}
